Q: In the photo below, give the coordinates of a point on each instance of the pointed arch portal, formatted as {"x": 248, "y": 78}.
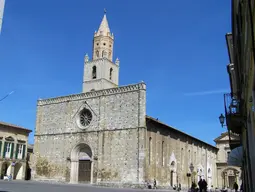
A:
{"x": 81, "y": 164}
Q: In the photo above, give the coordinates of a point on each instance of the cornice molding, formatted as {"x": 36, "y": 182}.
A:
{"x": 122, "y": 89}
{"x": 100, "y": 60}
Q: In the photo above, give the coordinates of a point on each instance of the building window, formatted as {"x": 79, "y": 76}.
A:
{"x": 8, "y": 150}
{"x": 104, "y": 53}
{"x": 94, "y": 72}
{"x": 162, "y": 153}
{"x": 85, "y": 117}
{"x": 97, "y": 54}
{"x": 20, "y": 150}
{"x": 228, "y": 154}
{"x": 150, "y": 149}
{"x": 111, "y": 74}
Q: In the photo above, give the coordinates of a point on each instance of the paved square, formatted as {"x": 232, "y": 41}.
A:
{"x": 32, "y": 186}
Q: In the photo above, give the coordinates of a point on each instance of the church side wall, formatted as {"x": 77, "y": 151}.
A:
{"x": 116, "y": 135}
{"x": 170, "y": 153}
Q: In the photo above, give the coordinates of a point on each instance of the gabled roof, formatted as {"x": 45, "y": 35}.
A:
{"x": 226, "y": 134}
{"x": 15, "y": 126}
{"x": 170, "y": 127}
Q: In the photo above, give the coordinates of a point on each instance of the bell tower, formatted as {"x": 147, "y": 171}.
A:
{"x": 103, "y": 41}
{"x": 101, "y": 72}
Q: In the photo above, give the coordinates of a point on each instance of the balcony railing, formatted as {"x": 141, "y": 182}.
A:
{"x": 234, "y": 118}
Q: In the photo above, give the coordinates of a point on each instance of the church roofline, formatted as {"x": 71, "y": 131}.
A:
{"x": 122, "y": 89}
{"x": 225, "y": 134}
{"x": 168, "y": 126}
{"x": 15, "y": 126}
{"x": 101, "y": 59}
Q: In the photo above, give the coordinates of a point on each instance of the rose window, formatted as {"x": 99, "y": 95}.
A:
{"x": 85, "y": 117}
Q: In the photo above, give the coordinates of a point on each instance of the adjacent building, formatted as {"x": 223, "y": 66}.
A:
{"x": 13, "y": 151}
{"x": 239, "y": 104}
{"x": 104, "y": 136}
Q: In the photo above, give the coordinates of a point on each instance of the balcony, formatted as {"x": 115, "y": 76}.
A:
{"x": 234, "y": 118}
{"x": 234, "y": 140}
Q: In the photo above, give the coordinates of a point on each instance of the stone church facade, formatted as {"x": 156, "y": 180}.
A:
{"x": 103, "y": 135}
{"x": 226, "y": 175}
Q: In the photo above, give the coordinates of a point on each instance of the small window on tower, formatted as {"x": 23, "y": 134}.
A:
{"x": 104, "y": 54}
{"x": 111, "y": 73}
{"x": 104, "y": 44}
{"x": 97, "y": 53}
{"x": 110, "y": 45}
{"x": 94, "y": 72}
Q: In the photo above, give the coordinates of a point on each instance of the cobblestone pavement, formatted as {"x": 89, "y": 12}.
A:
{"x": 32, "y": 186}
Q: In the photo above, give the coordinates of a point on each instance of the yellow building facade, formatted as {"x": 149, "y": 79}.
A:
{"x": 13, "y": 151}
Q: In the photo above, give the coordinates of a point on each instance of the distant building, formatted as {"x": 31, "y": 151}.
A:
{"x": 226, "y": 175}
{"x": 2, "y": 2}
{"x": 13, "y": 151}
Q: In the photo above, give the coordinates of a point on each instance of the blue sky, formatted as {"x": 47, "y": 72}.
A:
{"x": 177, "y": 48}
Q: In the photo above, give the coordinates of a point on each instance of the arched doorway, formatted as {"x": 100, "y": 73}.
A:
{"x": 18, "y": 171}
{"x": 230, "y": 175}
{"x": 81, "y": 164}
{"x": 6, "y": 169}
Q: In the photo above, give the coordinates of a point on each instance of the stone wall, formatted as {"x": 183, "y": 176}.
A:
{"x": 116, "y": 134}
{"x": 169, "y": 150}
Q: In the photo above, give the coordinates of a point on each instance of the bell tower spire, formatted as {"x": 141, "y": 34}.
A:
{"x": 103, "y": 41}
{"x": 101, "y": 72}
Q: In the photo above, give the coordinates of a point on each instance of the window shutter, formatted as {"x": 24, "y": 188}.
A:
{"x": 0, "y": 147}
{"x": 5, "y": 145}
{"x": 12, "y": 146}
{"x": 24, "y": 152}
{"x": 17, "y": 151}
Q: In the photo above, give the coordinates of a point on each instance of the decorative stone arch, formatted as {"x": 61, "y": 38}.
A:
{"x": 10, "y": 138}
{"x": 230, "y": 175}
{"x": 18, "y": 171}
{"x": 81, "y": 151}
{"x": 173, "y": 169}
{"x": 6, "y": 169}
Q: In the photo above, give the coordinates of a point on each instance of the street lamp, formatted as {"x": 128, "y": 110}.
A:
{"x": 222, "y": 120}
